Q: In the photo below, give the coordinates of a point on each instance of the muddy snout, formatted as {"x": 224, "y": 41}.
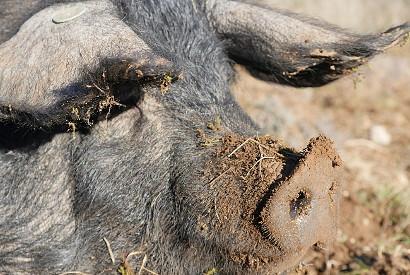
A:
{"x": 303, "y": 208}
{"x": 270, "y": 203}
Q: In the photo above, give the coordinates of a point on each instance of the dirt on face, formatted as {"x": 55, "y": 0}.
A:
{"x": 270, "y": 202}
{"x": 248, "y": 167}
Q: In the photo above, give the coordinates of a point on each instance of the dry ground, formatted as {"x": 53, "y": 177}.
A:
{"x": 374, "y": 234}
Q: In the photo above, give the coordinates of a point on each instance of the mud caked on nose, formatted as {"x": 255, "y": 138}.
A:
{"x": 303, "y": 209}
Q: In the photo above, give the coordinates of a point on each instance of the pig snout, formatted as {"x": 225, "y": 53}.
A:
{"x": 272, "y": 204}
{"x": 303, "y": 210}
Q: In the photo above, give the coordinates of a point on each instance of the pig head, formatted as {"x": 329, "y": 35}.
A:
{"x": 117, "y": 124}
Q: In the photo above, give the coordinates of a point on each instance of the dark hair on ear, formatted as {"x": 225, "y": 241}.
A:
{"x": 290, "y": 49}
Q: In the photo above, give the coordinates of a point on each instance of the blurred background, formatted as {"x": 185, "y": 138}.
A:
{"x": 368, "y": 117}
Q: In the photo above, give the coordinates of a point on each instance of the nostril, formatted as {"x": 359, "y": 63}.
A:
{"x": 300, "y": 205}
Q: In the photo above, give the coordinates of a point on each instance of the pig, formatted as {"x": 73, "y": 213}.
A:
{"x": 122, "y": 149}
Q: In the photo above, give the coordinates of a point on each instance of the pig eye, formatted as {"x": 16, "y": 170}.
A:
{"x": 300, "y": 205}
{"x": 81, "y": 80}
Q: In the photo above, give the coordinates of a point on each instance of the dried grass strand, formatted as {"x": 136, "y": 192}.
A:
{"x": 109, "y": 250}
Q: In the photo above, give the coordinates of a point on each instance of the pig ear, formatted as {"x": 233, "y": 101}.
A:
{"x": 73, "y": 63}
{"x": 286, "y": 48}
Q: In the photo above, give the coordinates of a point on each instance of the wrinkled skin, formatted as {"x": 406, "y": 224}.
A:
{"x": 75, "y": 169}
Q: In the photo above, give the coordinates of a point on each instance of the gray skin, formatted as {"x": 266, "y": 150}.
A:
{"x": 131, "y": 170}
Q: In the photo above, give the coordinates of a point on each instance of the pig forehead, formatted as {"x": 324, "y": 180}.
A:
{"x": 57, "y": 55}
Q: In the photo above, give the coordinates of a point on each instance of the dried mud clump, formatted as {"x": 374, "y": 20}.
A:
{"x": 247, "y": 167}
